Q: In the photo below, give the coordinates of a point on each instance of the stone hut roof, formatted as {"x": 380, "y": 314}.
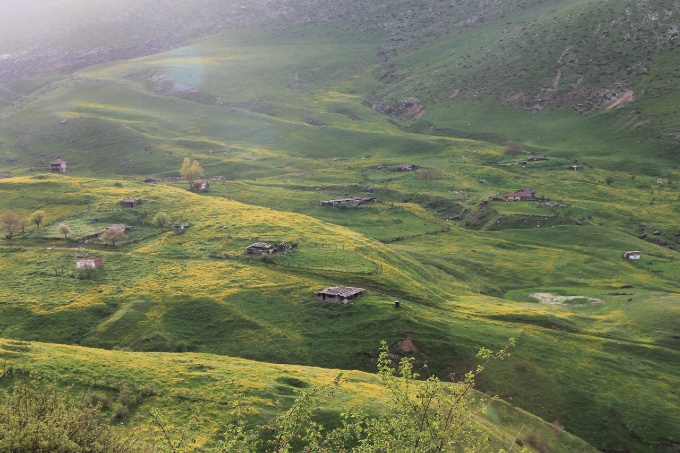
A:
{"x": 342, "y": 291}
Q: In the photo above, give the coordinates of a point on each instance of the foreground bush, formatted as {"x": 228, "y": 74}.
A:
{"x": 37, "y": 416}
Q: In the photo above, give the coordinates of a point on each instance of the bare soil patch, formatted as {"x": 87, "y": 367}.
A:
{"x": 625, "y": 98}
{"x": 571, "y": 301}
{"x": 406, "y": 345}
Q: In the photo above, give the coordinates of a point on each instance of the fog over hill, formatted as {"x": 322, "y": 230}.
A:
{"x": 530, "y": 53}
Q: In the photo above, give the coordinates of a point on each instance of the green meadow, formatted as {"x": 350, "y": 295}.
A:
{"x": 293, "y": 117}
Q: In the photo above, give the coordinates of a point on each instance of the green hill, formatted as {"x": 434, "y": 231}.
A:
{"x": 205, "y": 388}
{"x": 315, "y": 102}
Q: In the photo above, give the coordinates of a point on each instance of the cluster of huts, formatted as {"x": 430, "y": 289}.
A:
{"x": 330, "y": 295}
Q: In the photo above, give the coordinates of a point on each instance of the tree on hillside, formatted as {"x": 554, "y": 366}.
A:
{"x": 10, "y": 223}
{"x": 59, "y": 267}
{"x": 160, "y": 220}
{"x": 512, "y": 148}
{"x": 64, "y": 229}
{"x": 37, "y": 218}
{"x": 191, "y": 171}
{"x": 112, "y": 235}
{"x": 430, "y": 174}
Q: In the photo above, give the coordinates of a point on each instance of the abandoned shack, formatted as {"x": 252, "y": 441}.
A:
{"x": 353, "y": 201}
{"x": 635, "y": 255}
{"x": 262, "y": 248}
{"x": 89, "y": 263}
{"x": 58, "y": 166}
{"x": 522, "y": 195}
{"x": 130, "y": 202}
{"x": 338, "y": 294}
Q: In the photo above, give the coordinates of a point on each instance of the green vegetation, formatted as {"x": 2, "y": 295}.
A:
{"x": 202, "y": 401}
{"x": 332, "y": 108}
{"x": 39, "y": 416}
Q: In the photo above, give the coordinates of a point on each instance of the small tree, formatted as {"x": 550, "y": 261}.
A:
{"x": 423, "y": 416}
{"x": 112, "y": 235}
{"x": 10, "y": 223}
{"x": 191, "y": 171}
{"x": 512, "y": 148}
{"x": 64, "y": 229}
{"x": 37, "y": 218}
{"x": 160, "y": 220}
{"x": 430, "y": 174}
{"x": 59, "y": 267}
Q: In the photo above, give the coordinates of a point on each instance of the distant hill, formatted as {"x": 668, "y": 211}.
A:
{"x": 439, "y": 64}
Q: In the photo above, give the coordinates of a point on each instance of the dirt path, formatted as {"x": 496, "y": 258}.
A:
{"x": 627, "y": 97}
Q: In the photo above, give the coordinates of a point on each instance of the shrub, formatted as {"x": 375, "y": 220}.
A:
{"x": 37, "y": 416}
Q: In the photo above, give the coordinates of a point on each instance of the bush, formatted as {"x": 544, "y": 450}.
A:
{"x": 427, "y": 415}
{"x": 37, "y": 416}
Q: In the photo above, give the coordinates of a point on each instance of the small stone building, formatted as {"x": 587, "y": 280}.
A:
{"x": 635, "y": 255}
{"x": 130, "y": 202}
{"x": 260, "y": 248}
{"x": 89, "y": 263}
{"x": 338, "y": 294}
{"x": 522, "y": 195}
{"x": 58, "y": 166}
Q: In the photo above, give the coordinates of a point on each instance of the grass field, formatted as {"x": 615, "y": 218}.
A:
{"x": 200, "y": 292}
{"x": 295, "y": 117}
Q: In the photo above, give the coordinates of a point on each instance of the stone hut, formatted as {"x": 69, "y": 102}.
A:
{"x": 58, "y": 166}
{"x": 131, "y": 202}
{"x": 338, "y": 294}
{"x": 89, "y": 263}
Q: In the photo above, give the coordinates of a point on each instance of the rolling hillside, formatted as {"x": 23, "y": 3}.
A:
{"x": 308, "y": 102}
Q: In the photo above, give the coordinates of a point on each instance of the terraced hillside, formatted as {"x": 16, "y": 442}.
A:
{"x": 413, "y": 103}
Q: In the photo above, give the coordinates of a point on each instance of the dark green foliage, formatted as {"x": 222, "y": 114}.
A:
{"x": 37, "y": 416}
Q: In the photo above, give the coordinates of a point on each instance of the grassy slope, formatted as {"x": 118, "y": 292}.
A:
{"x": 204, "y": 387}
{"x": 290, "y": 121}
{"x": 163, "y": 292}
